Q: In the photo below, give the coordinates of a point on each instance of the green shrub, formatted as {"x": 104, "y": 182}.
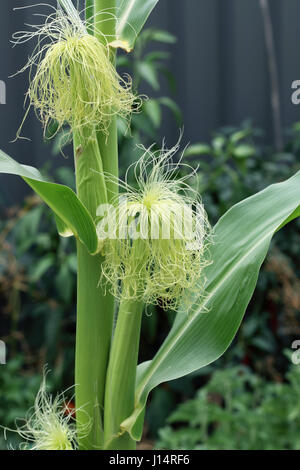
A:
{"x": 238, "y": 410}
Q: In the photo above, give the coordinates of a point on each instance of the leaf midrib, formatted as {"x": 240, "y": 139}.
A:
{"x": 123, "y": 20}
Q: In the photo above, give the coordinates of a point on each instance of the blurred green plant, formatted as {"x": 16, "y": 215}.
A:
{"x": 236, "y": 164}
{"x": 17, "y": 393}
{"x": 237, "y": 410}
{"x": 148, "y": 68}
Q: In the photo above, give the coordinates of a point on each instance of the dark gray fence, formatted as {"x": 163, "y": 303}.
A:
{"x": 220, "y": 64}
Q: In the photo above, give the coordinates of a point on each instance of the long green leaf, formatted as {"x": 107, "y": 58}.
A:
{"x": 72, "y": 217}
{"x": 241, "y": 241}
{"x": 131, "y": 17}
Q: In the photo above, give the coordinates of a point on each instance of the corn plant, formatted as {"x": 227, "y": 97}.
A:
{"x": 207, "y": 275}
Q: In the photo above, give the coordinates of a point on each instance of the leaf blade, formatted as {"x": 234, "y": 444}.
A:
{"x": 131, "y": 17}
{"x": 71, "y": 215}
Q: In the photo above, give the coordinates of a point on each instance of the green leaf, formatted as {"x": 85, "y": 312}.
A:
{"x": 240, "y": 244}
{"x": 244, "y": 151}
{"x": 149, "y": 74}
{"x": 160, "y": 35}
{"x": 41, "y": 267}
{"x": 63, "y": 283}
{"x": 197, "y": 149}
{"x": 156, "y": 55}
{"x": 72, "y": 217}
{"x": 153, "y": 111}
{"x": 142, "y": 123}
{"x": 169, "y": 103}
{"x": 237, "y": 136}
{"x": 123, "y": 61}
{"x": 61, "y": 140}
{"x": 218, "y": 143}
{"x": 131, "y": 17}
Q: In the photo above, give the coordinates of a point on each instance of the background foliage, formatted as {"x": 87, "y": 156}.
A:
{"x": 237, "y": 410}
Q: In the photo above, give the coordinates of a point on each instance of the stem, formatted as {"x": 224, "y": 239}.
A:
{"x": 108, "y": 145}
{"x": 119, "y": 395}
{"x": 94, "y": 309}
{"x": 109, "y": 151}
{"x": 121, "y": 375}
